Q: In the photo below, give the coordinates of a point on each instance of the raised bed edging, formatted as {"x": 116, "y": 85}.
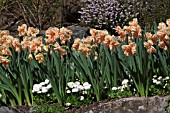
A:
{"x": 154, "y": 104}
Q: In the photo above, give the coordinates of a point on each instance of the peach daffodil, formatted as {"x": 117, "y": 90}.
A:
{"x": 149, "y": 46}
{"x": 39, "y": 57}
{"x": 162, "y": 26}
{"x": 32, "y": 31}
{"x": 65, "y": 35}
{"x": 4, "y": 61}
{"x": 129, "y": 49}
{"x": 110, "y": 42}
{"x": 62, "y": 51}
{"x": 149, "y": 36}
{"x": 121, "y": 32}
{"x": 101, "y": 35}
{"x": 22, "y": 30}
{"x": 163, "y": 45}
{"x": 76, "y": 44}
{"x": 53, "y": 34}
{"x": 4, "y": 32}
{"x": 16, "y": 45}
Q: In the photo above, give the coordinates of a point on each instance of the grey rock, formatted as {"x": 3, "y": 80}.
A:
{"x": 78, "y": 31}
{"x": 154, "y": 104}
{"x": 4, "y": 109}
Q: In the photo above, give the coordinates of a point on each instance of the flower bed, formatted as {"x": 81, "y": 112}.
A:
{"x": 79, "y": 71}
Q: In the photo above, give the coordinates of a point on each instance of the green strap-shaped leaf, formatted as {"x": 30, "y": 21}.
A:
{"x": 163, "y": 62}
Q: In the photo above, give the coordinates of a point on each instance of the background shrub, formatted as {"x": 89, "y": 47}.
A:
{"x": 45, "y": 13}
{"x": 158, "y": 11}
{"x": 107, "y": 14}
{"x": 41, "y": 14}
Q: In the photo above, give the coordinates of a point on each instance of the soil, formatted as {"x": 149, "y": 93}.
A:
{"x": 20, "y": 109}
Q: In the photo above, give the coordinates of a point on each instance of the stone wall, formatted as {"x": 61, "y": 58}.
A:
{"x": 154, "y": 104}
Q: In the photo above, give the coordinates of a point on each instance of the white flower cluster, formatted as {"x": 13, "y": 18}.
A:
{"x": 159, "y": 80}
{"x": 121, "y": 88}
{"x": 68, "y": 104}
{"x": 0, "y": 95}
{"x": 76, "y": 87}
{"x": 43, "y": 87}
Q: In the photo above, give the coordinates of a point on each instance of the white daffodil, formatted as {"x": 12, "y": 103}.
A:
{"x": 154, "y": 76}
{"x": 42, "y": 83}
{"x": 68, "y": 104}
{"x": 86, "y": 85}
{"x": 81, "y": 98}
{"x": 124, "y": 86}
{"x": 80, "y": 87}
{"x": 39, "y": 92}
{"x": 125, "y": 81}
{"x": 160, "y": 77}
{"x": 68, "y": 91}
{"x": 77, "y": 82}
{"x": 70, "y": 84}
{"x": 134, "y": 89}
{"x": 75, "y": 90}
{"x": 131, "y": 80}
{"x": 154, "y": 80}
{"x": 84, "y": 92}
{"x": 105, "y": 87}
{"x": 119, "y": 88}
{"x": 129, "y": 76}
{"x": 167, "y": 78}
{"x": 122, "y": 89}
{"x": 36, "y": 87}
{"x": 126, "y": 72}
{"x": 49, "y": 86}
{"x": 75, "y": 85}
{"x": 44, "y": 90}
{"x": 114, "y": 88}
{"x": 46, "y": 81}
{"x": 158, "y": 82}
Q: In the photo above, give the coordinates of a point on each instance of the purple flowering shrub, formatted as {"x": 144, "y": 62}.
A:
{"x": 106, "y": 14}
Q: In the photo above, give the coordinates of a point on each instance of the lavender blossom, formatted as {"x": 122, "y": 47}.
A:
{"x": 109, "y": 13}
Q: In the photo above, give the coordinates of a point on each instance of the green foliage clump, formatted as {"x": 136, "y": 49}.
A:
{"x": 158, "y": 11}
